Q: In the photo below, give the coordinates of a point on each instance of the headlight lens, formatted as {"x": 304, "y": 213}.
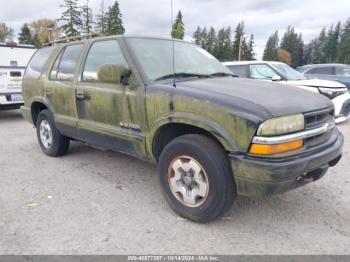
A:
{"x": 282, "y": 125}
{"x": 332, "y": 93}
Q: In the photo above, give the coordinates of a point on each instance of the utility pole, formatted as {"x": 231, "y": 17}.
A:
{"x": 240, "y": 52}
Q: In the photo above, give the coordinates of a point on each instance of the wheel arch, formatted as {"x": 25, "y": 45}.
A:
{"x": 38, "y": 104}
{"x": 169, "y": 128}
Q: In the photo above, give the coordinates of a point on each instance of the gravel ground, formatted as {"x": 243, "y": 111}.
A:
{"x": 94, "y": 202}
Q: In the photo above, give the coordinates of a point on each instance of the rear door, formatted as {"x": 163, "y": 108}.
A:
{"x": 109, "y": 113}
{"x": 60, "y": 89}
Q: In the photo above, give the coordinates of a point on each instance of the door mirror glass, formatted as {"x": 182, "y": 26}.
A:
{"x": 276, "y": 78}
{"x": 114, "y": 74}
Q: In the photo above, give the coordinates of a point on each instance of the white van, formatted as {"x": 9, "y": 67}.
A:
{"x": 13, "y": 61}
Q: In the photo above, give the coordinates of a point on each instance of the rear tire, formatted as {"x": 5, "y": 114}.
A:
{"x": 196, "y": 178}
{"x": 51, "y": 141}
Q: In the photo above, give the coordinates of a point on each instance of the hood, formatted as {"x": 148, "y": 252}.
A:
{"x": 276, "y": 99}
{"x": 317, "y": 83}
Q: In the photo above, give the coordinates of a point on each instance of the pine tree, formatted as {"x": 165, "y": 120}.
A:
{"x": 197, "y": 36}
{"x": 270, "y": 52}
{"x": 87, "y": 18}
{"x": 71, "y": 18}
{"x": 211, "y": 42}
{"x": 238, "y": 43}
{"x": 5, "y": 32}
{"x": 25, "y": 36}
{"x": 332, "y": 43}
{"x": 101, "y": 21}
{"x": 293, "y": 43}
{"x": 178, "y": 29}
{"x": 343, "y": 55}
{"x": 114, "y": 20}
{"x": 250, "y": 54}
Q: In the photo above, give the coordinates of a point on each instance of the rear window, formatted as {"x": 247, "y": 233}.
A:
{"x": 37, "y": 63}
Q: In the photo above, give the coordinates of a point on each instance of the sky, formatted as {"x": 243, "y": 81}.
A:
{"x": 153, "y": 17}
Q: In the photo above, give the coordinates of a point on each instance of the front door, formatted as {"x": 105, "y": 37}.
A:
{"x": 109, "y": 113}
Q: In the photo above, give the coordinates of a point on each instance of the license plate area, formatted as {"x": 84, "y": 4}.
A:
{"x": 16, "y": 98}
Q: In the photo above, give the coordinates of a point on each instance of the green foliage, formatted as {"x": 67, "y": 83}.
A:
{"x": 178, "y": 29}
{"x": 221, "y": 45}
{"x": 294, "y": 44}
{"x": 343, "y": 54}
{"x": 114, "y": 22}
{"x": 272, "y": 45}
{"x": 5, "y": 32}
{"x": 71, "y": 18}
{"x": 87, "y": 18}
{"x": 25, "y": 36}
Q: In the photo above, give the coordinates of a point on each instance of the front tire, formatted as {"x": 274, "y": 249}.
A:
{"x": 196, "y": 178}
{"x": 51, "y": 141}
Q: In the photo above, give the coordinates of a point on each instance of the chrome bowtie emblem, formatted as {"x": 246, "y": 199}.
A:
{"x": 330, "y": 126}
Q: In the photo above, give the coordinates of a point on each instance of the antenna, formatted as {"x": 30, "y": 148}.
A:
{"x": 173, "y": 42}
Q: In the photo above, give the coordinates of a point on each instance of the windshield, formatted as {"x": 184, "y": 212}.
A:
{"x": 288, "y": 72}
{"x": 343, "y": 71}
{"x": 156, "y": 59}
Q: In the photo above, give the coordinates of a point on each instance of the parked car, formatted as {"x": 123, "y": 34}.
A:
{"x": 284, "y": 74}
{"x": 212, "y": 140}
{"x": 13, "y": 60}
{"x": 334, "y": 72}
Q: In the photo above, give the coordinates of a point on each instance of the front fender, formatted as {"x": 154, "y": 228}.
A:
{"x": 194, "y": 120}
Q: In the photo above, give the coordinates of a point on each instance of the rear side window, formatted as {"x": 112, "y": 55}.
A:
{"x": 102, "y": 54}
{"x": 37, "y": 63}
{"x": 65, "y": 64}
{"x": 261, "y": 72}
{"x": 321, "y": 71}
{"x": 241, "y": 70}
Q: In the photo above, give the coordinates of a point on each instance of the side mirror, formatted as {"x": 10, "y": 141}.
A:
{"x": 276, "y": 78}
{"x": 114, "y": 74}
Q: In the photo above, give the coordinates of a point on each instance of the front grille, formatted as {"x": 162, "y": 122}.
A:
{"x": 318, "y": 118}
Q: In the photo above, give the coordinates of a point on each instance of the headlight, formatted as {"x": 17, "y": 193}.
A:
{"x": 282, "y": 125}
{"x": 332, "y": 92}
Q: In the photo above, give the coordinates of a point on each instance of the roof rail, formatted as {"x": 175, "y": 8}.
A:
{"x": 74, "y": 38}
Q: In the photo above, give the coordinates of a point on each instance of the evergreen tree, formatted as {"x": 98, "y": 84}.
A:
{"x": 223, "y": 50}
{"x": 71, "y": 18}
{"x": 114, "y": 20}
{"x": 332, "y": 43}
{"x": 238, "y": 42}
{"x": 87, "y": 18}
{"x": 25, "y": 36}
{"x": 343, "y": 55}
{"x": 101, "y": 21}
{"x": 211, "y": 42}
{"x": 270, "y": 52}
{"x": 249, "y": 54}
{"x": 178, "y": 29}
{"x": 197, "y": 36}
{"x": 5, "y": 32}
{"x": 293, "y": 43}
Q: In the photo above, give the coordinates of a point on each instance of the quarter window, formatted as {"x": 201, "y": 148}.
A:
{"x": 37, "y": 63}
{"x": 239, "y": 70}
{"x": 102, "y": 55}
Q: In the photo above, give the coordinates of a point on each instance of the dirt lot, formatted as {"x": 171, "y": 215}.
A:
{"x": 93, "y": 202}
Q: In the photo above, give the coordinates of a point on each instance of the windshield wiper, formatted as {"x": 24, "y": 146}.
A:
{"x": 223, "y": 74}
{"x": 182, "y": 75}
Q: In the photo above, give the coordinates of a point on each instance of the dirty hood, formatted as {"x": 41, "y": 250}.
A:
{"x": 276, "y": 99}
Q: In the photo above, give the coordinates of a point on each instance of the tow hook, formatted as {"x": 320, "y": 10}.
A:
{"x": 305, "y": 178}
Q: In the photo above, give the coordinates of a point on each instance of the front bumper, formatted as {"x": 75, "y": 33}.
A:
{"x": 6, "y": 102}
{"x": 256, "y": 177}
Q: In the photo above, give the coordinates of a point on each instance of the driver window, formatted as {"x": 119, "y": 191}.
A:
{"x": 103, "y": 63}
{"x": 261, "y": 72}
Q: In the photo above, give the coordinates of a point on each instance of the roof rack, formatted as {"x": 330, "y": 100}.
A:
{"x": 75, "y": 38}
